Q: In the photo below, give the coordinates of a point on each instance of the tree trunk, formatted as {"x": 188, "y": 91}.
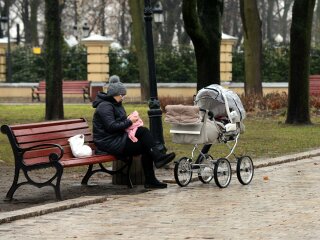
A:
{"x": 123, "y": 23}
{"x": 284, "y": 20}
{"x": 34, "y": 6}
{"x": 26, "y": 22}
{"x": 270, "y": 17}
{"x": 300, "y": 35}
{"x": 317, "y": 26}
{"x": 252, "y": 46}
{"x": 172, "y": 9}
{"x": 139, "y": 40}
{"x": 102, "y": 18}
{"x": 53, "y": 71}
{"x": 202, "y": 20}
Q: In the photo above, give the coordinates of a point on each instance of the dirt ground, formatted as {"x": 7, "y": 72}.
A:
{"x": 29, "y": 196}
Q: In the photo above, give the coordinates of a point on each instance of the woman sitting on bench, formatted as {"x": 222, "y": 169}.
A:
{"x": 110, "y": 123}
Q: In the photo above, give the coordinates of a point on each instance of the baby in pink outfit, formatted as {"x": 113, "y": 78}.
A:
{"x": 133, "y": 128}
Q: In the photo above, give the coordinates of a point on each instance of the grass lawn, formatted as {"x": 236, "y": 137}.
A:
{"x": 264, "y": 136}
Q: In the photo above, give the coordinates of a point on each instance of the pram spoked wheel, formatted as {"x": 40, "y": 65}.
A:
{"x": 245, "y": 170}
{"x": 222, "y": 172}
{"x": 205, "y": 173}
{"x": 183, "y": 172}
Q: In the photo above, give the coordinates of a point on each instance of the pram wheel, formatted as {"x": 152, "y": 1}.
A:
{"x": 183, "y": 172}
{"x": 205, "y": 173}
{"x": 222, "y": 172}
{"x": 245, "y": 170}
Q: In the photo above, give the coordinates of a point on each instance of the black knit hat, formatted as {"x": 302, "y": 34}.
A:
{"x": 116, "y": 87}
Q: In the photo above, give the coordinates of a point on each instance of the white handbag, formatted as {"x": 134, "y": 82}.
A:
{"x": 78, "y": 148}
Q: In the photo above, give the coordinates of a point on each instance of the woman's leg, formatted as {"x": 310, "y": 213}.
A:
{"x": 144, "y": 136}
{"x": 150, "y": 178}
{"x": 145, "y": 141}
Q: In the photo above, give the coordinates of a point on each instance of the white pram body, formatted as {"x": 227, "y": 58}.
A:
{"x": 216, "y": 117}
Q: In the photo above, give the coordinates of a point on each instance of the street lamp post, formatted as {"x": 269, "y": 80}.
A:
{"x": 154, "y": 113}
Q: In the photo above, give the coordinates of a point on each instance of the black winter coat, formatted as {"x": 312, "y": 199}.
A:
{"x": 109, "y": 124}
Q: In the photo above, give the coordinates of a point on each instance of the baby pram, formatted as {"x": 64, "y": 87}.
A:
{"x": 216, "y": 117}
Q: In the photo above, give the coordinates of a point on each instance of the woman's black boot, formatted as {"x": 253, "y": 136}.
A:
{"x": 161, "y": 159}
{"x": 150, "y": 179}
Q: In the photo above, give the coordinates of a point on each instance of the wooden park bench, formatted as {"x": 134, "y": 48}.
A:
{"x": 68, "y": 87}
{"x": 314, "y": 85}
{"x": 45, "y": 145}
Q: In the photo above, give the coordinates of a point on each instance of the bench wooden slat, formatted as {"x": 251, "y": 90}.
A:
{"x": 314, "y": 84}
{"x": 33, "y": 161}
{"x": 89, "y": 160}
{"x": 47, "y": 151}
{"x": 46, "y": 124}
{"x": 57, "y": 128}
{"x": 62, "y": 142}
{"x": 51, "y": 136}
{"x": 73, "y": 162}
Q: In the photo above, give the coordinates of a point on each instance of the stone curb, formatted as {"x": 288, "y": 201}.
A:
{"x": 84, "y": 201}
{"x": 50, "y": 208}
{"x": 285, "y": 159}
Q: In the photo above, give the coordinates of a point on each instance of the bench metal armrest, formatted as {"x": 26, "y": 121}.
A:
{"x": 34, "y": 89}
{"x": 53, "y": 157}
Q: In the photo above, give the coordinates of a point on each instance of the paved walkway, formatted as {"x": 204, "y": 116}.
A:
{"x": 282, "y": 202}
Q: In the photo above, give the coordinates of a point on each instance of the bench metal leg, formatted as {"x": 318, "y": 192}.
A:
{"x": 57, "y": 186}
{"x": 35, "y": 96}
{"x": 86, "y": 177}
{"x": 127, "y": 166}
{"x": 14, "y": 185}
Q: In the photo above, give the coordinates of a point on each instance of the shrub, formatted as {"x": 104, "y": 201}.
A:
{"x": 30, "y": 67}
{"x": 26, "y": 66}
{"x": 173, "y": 64}
{"x": 74, "y": 63}
{"x": 252, "y": 103}
{"x": 124, "y": 63}
{"x": 275, "y": 64}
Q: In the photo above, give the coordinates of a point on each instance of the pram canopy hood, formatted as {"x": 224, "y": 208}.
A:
{"x": 221, "y": 101}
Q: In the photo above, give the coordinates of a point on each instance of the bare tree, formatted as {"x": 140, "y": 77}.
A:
{"x": 270, "y": 19}
{"x": 231, "y": 18}
{"x": 139, "y": 40}
{"x": 53, "y": 71}
{"x": 202, "y": 21}
{"x": 124, "y": 23}
{"x": 281, "y": 15}
{"x": 172, "y": 12}
{"x": 300, "y": 44}
{"x": 317, "y": 25}
{"x": 252, "y": 46}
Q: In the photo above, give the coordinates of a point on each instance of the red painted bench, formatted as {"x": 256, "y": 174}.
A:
{"x": 68, "y": 87}
{"x": 45, "y": 145}
{"x": 314, "y": 84}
